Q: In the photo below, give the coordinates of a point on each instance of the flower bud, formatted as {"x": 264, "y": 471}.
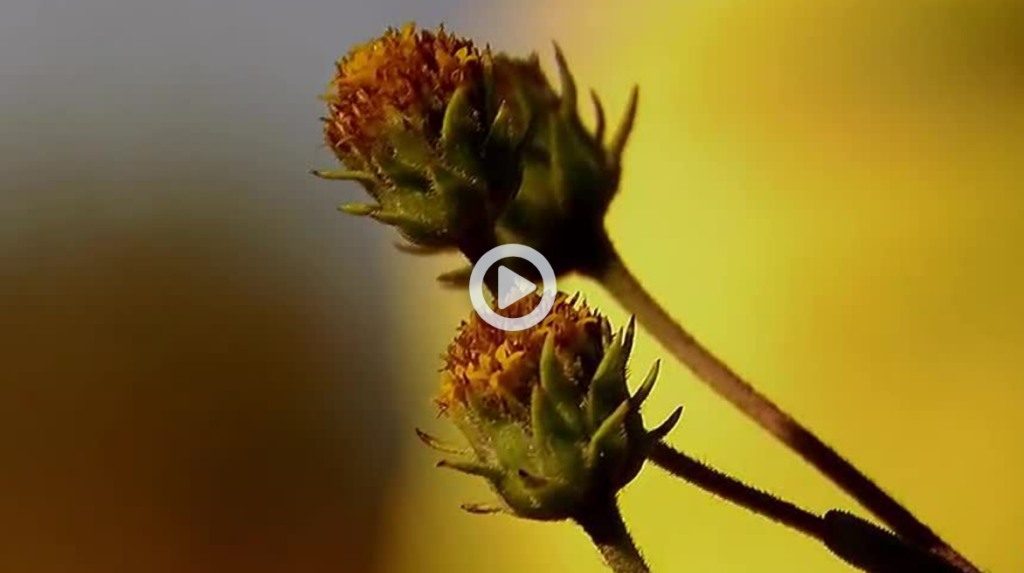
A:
{"x": 546, "y": 411}
{"x": 570, "y": 175}
{"x": 416, "y": 118}
{"x": 464, "y": 149}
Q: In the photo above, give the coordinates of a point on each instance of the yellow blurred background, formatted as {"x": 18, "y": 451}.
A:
{"x": 830, "y": 195}
{"x": 204, "y": 368}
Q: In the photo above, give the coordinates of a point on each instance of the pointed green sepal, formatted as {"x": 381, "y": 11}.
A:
{"x": 659, "y": 433}
{"x": 472, "y": 468}
{"x": 459, "y": 190}
{"x": 404, "y": 174}
{"x": 568, "y": 95}
{"x": 462, "y": 134}
{"x": 483, "y": 508}
{"x": 408, "y": 142}
{"x": 611, "y": 430}
{"x": 460, "y": 121}
{"x": 608, "y": 388}
{"x": 549, "y": 428}
{"x": 621, "y": 138}
{"x": 441, "y": 446}
{"x": 613, "y": 361}
{"x": 503, "y": 132}
{"x": 599, "y": 118}
{"x": 607, "y": 336}
{"x": 456, "y": 279}
{"x": 645, "y": 389}
{"x": 392, "y": 218}
{"x": 358, "y": 209}
{"x": 345, "y": 175}
{"x": 421, "y": 250}
{"x": 576, "y": 173}
{"x": 629, "y": 336}
{"x": 562, "y": 391}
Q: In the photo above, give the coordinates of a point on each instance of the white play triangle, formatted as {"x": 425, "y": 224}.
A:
{"x": 512, "y": 287}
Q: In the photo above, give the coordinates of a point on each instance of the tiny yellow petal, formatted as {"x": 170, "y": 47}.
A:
{"x": 500, "y": 365}
{"x": 411, "y": 71}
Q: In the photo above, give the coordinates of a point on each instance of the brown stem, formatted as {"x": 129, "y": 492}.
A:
{"x": 733, "y": 490}
{"x": 618, "y": 280}
{"x": 603, "y": 523}
{"x": 850, "y": 538}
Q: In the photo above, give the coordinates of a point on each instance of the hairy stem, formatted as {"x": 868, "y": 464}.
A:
{"x": 603, "y": 523}
{"x": 625, "y": 287}
{"x": 735, "y": 491}
{"x": 857, "y": 542}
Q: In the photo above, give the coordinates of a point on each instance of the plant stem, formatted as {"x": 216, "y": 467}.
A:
{"x": 735, "y": 491}
{"x": 603, "y": 523}
{"x": 871, "y": 548}
{"x": 857, "y": 542}
{"x": 625, "y": 287}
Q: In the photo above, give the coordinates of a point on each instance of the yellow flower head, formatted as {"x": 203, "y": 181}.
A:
{"x": 501, "y": 367}
{"x": 405, "y": 74}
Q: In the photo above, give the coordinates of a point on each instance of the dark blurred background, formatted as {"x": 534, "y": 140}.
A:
{"x": 196, "y": 360}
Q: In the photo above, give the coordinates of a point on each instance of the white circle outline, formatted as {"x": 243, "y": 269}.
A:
{"x": 476, "y": 287}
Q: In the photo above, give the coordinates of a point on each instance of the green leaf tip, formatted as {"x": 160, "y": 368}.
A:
{"x": 483, "y": 508}
{"x": 549, "y": 427}
{"x": 628, "y": 336}
{"x": 460, "y": 121}
{"x": 559, "y": 387}
{"x": 647, "y": 387}
{"x": 611, "y": 428}
{"x": 621, "y": 138}
{"x": 568, "y": 95}
{"x": 440, "y": 446}
{"x": 392, "y": 218}
{"x": 358, "y": 209}
{"x": 659, "y": 433}
{"x": 457, "y": 278}
{"x": 471, "y": 468}
{"x": 420, "y": 250}
{"x": 599, "y": 118}
{"x": 345, "y": 175}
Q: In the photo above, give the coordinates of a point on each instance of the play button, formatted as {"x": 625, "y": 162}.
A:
{"x": 512, "y": 287}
